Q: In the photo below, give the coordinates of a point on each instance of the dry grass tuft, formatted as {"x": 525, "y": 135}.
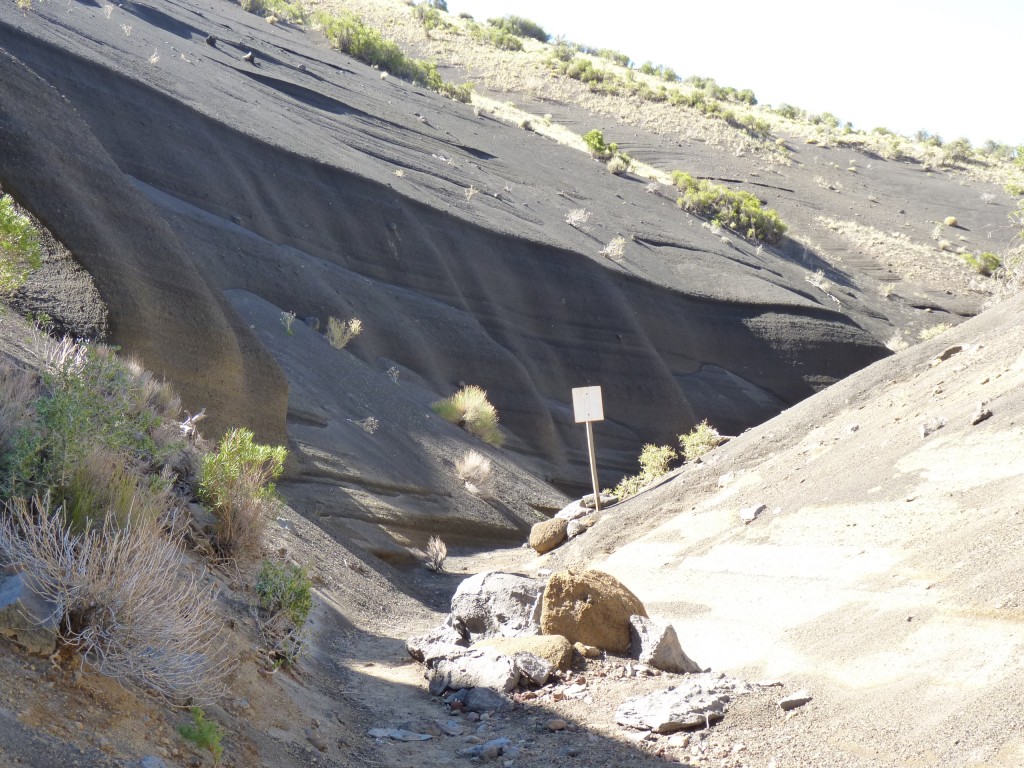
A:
{"x": 470, "y": 409}
{"x": 437, "y": 553}
{"x": 340, "y": 333}
{"x": 474, "y": 469}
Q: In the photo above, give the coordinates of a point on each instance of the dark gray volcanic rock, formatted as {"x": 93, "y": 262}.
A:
{"x": 284, "y": 182}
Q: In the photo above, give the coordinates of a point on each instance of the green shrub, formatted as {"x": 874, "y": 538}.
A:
{"x": 497, "y": 37}
{"x": 283, "y": 9}
{"x": 737, "y": 210}
{"x": 984, "y": 263}
{"x": 205, "y": 734}
{"x": 348, "y": 33}
{"x": 699, "y": 440}
{"x": 20, "y": 250}
{"x": 285, "y": 589}
{"x": 595, "y": 143}
{"x": 238, "y": 485}
{"x": 520, "y": 27}
{"x": 429, "y": 17}
{"x": 470, "y": 409}
{"x": 654, "y": 462}
{"x": 1014, "y": 189}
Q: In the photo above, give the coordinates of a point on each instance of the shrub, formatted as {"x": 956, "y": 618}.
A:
{"x": 950, "y": 221}
{"x": 340, "y": 333}
{"x": 618, "y": 165}
{"x": 285, "y": 589}
{"x": 739, "y": 211}
{"x": 20, "y": 440}
{"x": 577, "y": 217}
{"x": 293, "y": 11}
{"x": 102, "y": 483}
{"x": 205, "y": 734}
{"x": 926, "y": 334}
{"x": 474, "y": 469}
{"x": 470, "y": 409}
{"x": 517, "y": 25}
{"x": 348, "y": 33}
{"x": 615, "y": 248}
{"x": 238, "y": 485}
{"x": 595, "y": 143}
{"x": 699, "y": 440}
{"x": 126, "y": 604}
{"x": 499, "y": 38}
{"x": 654, "y": 463}
{"x": 984, "y": 263}
{"x": 20, "y": 249}
{"x": 429, "y": 17}
{"x": 437, "y": 553}
{"x": 1014, "y": 189}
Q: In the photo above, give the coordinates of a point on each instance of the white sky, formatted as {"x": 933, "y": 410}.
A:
{"x": 951, "y": 68}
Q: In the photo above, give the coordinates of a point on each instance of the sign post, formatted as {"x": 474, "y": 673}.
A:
{"x": 587, "y": 405}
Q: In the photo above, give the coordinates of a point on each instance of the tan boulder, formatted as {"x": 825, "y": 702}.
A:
{"x": 552, "y": 648}
{"x": 591, "y": 608}
{"x": 549, "y": 534}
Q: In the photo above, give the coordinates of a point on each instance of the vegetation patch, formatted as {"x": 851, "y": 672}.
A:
{"x": 520, "y": 27}
{"x": 736, "y": 210}
{"x": 20, "y": 250}
{"x": 470, "y": 409}
{"x": 654, "y": 463}
{"x": 348, "y": 33}
{"x": 282, "y": 9}
{"x": 699, "y": 441}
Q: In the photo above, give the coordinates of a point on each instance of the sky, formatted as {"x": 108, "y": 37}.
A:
{"x": 950, "y": 68}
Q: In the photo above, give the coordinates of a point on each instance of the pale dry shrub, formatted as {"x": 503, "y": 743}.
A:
{"x": 127, "y": 603}
{"x": 102, "y": 484}
{"x": 615, "y": 249}
{"x": 896, "y": 343}
{"x": 577, "y": 217}
{"x": 18, "y": 391}
{"x": 474, "y": 469}
{"x": 340, "y": 333}
{"x": 437, "y": 553}
{"x": 617, "y": 165}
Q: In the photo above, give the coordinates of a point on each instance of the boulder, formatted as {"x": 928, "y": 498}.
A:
{"x": 701, "y": 700}
{"x": 554, "y": 649}
{"x": 476, "y": 668}
{"x": 448, "y": 639}
{"x": 590, "y": 607}
{"x": 657, "y": 645}
{"x": 547, "y": 535}
{"x": 533, "y": 668}
{"x": 498, "y": 604}
{"x": 576, "y": 527}
{"x": 28, "y": 619}
{"x": 573, "y": 511}
{"x": 607, "y": 500}
{"x": 484, "y": 700}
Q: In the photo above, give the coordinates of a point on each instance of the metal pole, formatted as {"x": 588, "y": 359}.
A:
{"x": 593, "y": 466}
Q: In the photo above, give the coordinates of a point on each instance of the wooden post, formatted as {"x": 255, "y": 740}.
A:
{"x": 588, "y": 408}
{"x": 593, "y": 466}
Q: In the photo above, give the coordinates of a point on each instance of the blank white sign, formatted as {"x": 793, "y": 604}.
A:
{"x": 586, "y": 402}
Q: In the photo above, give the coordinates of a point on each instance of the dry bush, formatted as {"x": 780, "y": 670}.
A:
{"x": 699, "y": 440}
{"x": 340, "y": 333}
{"x": 18, "y": 391}
{"x": 126, "y": 602}
{"x": 474, "y": 469}
{"x": 577, "y": 217}
{"x": 437, "y": 553}
{"x": 102, "y": 484}
{"x": 615, "y": 249}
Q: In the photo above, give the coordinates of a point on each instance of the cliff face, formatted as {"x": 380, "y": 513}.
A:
{"x": 175, "y": 171}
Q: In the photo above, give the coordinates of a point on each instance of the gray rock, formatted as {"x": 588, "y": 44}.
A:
{"x": 26, "y": 618}
{"x": 657, "y": 645}
{"x": 981, "y": 413}
{"x": 607, "y": 500}
{"x": 533, "y": 667}
{"x": 152, "y": 761}
{"x": 701, "y": 700}
{"x": 480, "y": 668}
{"x": 485, "y": 700}
{"x": 489, "y": 750}
{"x": 750, "y": 514}
{"x": 576, "y": 527}
{"x": 398, "y": 734}
{"x": 573, "y": 511}
{"x": 448, "y": 639}
{"x": 794, "y": 700}
{"x": 498, "y": 604}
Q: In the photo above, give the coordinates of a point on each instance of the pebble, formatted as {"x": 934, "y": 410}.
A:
{"x": 556, "y": 724}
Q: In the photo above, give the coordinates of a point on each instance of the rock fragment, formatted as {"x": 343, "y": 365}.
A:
{"x": 657, "y": 644}
{"x": 794, "y": 700}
